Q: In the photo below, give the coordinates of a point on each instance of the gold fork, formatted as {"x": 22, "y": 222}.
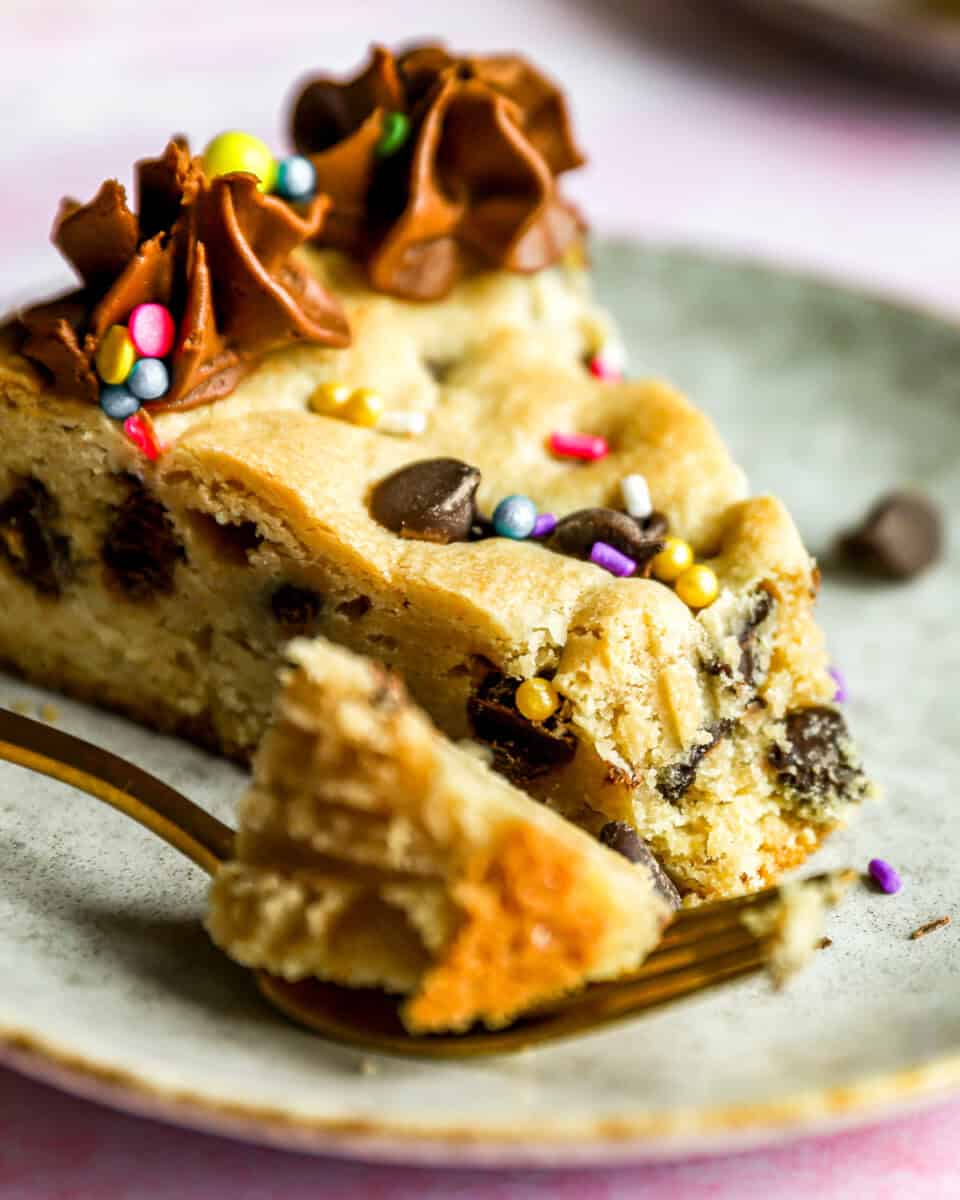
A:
{"x": 701, "y": 948}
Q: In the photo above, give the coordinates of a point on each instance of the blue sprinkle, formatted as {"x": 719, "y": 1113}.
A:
{"x": 117, "y": 402}
{"x": 515, "y": 517}
{"x": 296, "y": 178}
{"x": 149, "y": 379}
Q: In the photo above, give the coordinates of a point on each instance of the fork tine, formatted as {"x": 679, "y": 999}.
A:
{"x": 606, "y": 1002}
{"x": 669, "y": 958}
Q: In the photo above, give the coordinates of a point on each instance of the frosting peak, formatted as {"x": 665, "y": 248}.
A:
{"x": 214, "y": 251}
{"x": 476, "y": 177}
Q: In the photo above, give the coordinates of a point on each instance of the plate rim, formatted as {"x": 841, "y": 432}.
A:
{"x": 609, "y": 1142}
{"x": 693, "y": 1132}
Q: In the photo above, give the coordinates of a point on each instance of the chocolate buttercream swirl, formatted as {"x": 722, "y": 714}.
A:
{"x": 216, "y": 252}
{"x": 475, "y": 179}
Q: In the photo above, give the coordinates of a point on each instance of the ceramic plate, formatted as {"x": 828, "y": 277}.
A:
{"x": 919, "y": 35}
{"x": 111, "y": 988}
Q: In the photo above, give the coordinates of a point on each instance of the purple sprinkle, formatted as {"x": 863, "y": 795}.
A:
{"x": 841, "y": 695}
{"x": 612, "y": 560}
{"x": 546, "y": 524}
{"x": 884, "y": 876}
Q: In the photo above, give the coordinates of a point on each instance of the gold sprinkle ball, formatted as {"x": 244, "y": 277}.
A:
{"x": 537, "y": 699}
{"x": 329, "y": 397}
{"x": 698, "y": 586}
{"x": 364, "y": 407}
{"x": 675, "y": 558}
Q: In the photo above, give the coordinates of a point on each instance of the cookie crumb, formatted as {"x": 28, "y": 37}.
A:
{"x": 369, "y": 1066}
{"x": 930, "y": 926}
{"x": 49, "y": 713}
{"x": 824, "y": 943}
{"x": 21, "y": 707}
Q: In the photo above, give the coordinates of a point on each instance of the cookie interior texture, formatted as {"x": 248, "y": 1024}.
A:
{"x": 374, "y": 852}
{"x": 168, "y": 591}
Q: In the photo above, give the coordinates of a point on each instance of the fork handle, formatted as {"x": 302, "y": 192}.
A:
{"x": 148, "y": 801}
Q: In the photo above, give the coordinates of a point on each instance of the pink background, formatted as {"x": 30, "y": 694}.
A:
{"x": 699, "y": 130}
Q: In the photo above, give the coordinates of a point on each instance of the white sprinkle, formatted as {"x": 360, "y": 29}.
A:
{"x": 636, "y": 496}
{"x": 402, "y": 424}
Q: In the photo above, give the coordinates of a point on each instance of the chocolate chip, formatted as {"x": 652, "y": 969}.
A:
{"x": 814, "y": 757}
{"x": 296, "y": 607}
{"x": 674, "y": 781}
{"x": 623, "y": 838}
{"x": 433, "y": 500}
{"x": 747, "y": 638}
{"x": 481, "y": 529}
{"x": 522, "y": 749}
{"x": 900, "y": 536}
{"x": 577, "y": 532}
{"x": 141, "y": 549}
{"x": 29, "y": 540}
{"x": 654, "y": 526}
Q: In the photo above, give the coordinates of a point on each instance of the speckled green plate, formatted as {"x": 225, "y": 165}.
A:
{"x": 111, "y": 988}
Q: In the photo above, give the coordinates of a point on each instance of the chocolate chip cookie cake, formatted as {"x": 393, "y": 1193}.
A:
{"x": 363, "y": 394}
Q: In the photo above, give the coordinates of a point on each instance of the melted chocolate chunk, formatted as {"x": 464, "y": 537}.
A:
{"x": 141, "y": 549}
{"x": 29, "y": 541}
{"x": 900, "y": 536}
{"x": 433, "y": 500}
{"x": 522, "y": 749}
{"x": 674, "y": 781}
{"x": 576, "y": 533}
{"x": 747, "y": 637}
{"x": 623, "y": 838}
{"x": 816, "y": 759}
{"x": 296, "y": 607}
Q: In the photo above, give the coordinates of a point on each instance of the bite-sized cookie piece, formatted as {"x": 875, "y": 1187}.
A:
{"x": 372, "y": 852}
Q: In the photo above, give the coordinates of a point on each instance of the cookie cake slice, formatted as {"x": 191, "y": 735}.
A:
{"x": 389, "y": 417}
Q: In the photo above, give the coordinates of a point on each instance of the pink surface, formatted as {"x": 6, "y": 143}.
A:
{"x": 55, "y": 1147}
{"x": 697, "y": 131}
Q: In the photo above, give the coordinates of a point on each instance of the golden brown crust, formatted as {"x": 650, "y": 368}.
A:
{"x": 371, "y": 851}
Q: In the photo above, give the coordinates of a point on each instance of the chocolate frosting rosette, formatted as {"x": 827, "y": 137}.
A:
{"x": 215, "y": 252}
{"x": 435, "y": 162}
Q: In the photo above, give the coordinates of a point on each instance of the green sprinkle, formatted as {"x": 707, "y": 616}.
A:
{"x": 395, "y": 131}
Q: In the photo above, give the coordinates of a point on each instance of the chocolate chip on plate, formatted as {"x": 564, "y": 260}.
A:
{"x": 900, "y": 536}
{"x": 433, "y": 500}
{"x": 623, "y": 838}
{"x": 814, "y": 758}
{"x": 577, "y": 532}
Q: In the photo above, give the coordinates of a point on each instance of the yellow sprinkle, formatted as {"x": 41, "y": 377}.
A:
{"x": 329, "y": 397}
{"x": 115, "y": 355}
{"x": 537, "y": 699}
{"x": 698, "y": 586}
{"x": 675, "y": 557}
{"x": 363, "y": 408}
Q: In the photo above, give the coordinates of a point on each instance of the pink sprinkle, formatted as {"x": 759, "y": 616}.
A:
{"x": 608, "y": 557}
{"x": 546, "y": 524}
{"x": 141, "y": 431}
{"x": 579, "y": 445}
{"x": 600, "y": 369}
{"x": 884, "y": 876}
{"x": 151, "y": 330}
{"x": 840, "y": 695}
